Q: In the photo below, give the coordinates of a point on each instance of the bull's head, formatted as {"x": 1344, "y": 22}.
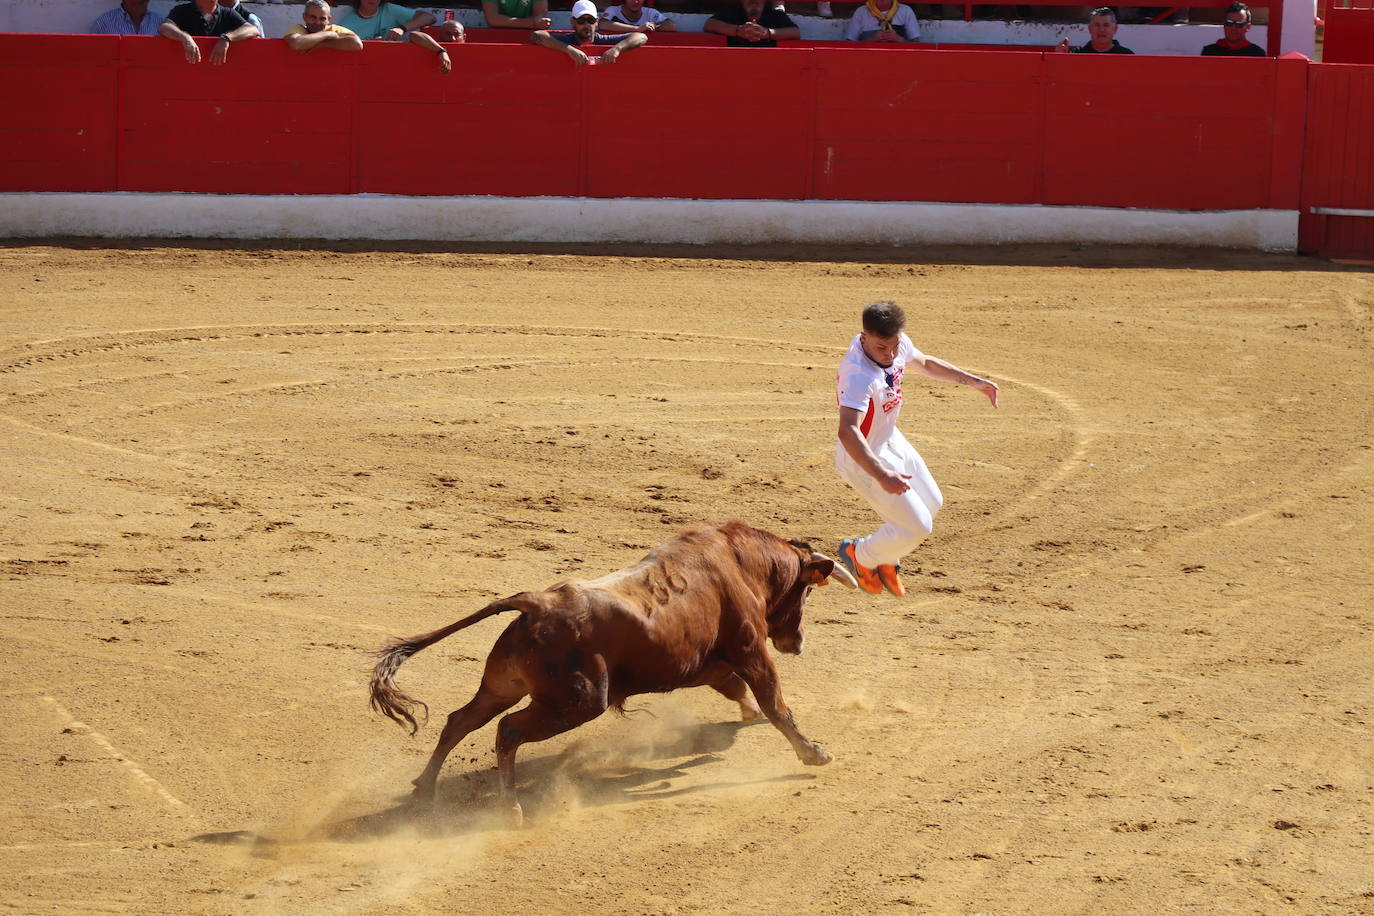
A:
{"x": 785, "y": 627}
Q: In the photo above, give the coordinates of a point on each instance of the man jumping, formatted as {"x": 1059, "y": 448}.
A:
{"x": 874, "y": 457}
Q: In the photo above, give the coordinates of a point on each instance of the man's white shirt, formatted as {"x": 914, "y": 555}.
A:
{"x": 875, "y": 392}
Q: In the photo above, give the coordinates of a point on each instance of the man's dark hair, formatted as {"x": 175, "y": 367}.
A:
{"x": 884, "y": 319}
{"x": 1239, "y": 7}
{"x": 1103, "y": 11}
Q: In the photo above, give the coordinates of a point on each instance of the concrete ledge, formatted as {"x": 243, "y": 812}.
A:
{"x": 560, "y": 219}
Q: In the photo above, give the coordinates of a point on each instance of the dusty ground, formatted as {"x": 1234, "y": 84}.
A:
{"x": 1133, "y": 672}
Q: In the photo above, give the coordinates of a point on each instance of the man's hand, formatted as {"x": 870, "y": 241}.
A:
{"x": 611, "y": 54}
{"x": 192, "y": 50}
{"x": 396, "y": 34}
{"x": 220, "y": 53}
{"x": 894, "y": 483}
{"x": 752, "y": 31}
{"x": 647, "y": 27}
{"x": 988, "y": 388}
{"x": 542, "y": 22}
{"x": 578, "y": 56}
{"x": 445, "y": 62}
{"x": 1063, "y": 46}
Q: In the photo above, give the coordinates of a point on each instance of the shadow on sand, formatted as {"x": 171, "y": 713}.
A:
{"x": 1010, "y": 255}
{"x": 468, "y": 803}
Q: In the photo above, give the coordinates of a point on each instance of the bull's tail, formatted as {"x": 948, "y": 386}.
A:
{"x": 387, "y": 698}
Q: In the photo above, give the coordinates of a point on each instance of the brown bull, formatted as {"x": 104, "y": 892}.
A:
{"x": 694, "y": 612}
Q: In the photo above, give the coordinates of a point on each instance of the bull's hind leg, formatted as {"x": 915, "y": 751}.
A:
{"x": 480, "y": 710}
{"x": 734, "y": 688}
{"x": 762, "y": 679}
{"x": 572, "y": 700}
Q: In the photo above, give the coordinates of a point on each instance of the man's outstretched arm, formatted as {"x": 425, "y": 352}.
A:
{"x": 941, "y": 371}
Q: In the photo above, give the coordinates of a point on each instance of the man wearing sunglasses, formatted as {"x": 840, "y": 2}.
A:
{"x": 584, "y": 18}
{"x": 1102, "y": 29}
{"x": 1233, "y": 42}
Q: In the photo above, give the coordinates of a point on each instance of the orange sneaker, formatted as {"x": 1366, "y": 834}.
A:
{"x": 868, "y": 579}
{"x": 891, "y": 577}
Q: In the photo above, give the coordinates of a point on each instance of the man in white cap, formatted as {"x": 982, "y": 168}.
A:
{"x": 584, "y": 33}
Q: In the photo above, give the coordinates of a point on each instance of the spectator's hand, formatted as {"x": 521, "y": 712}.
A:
{"x": 543, "y": 22}
{"x": 578, "y": 56}
{"x": 192, "y": 51}
{"x": 752, "y": 31}
{"x": 647, "y": 27}
{"x": 220, "y": 53}
{"x": 445, "y": 62}
{"x": 1063, "y": 46}
{"x": 886, "y": 35}
{"x": 396, "y": 34}
{"x": 611, "y": 54}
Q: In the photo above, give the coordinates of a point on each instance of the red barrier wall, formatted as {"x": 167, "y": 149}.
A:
{"x": 99, "y": 113}
{"x": 836, "y": 123}
{"x": 1349, "y": 35}
{"x": 1338, "y": 171}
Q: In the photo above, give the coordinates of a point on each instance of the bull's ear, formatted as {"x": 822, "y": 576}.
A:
{"x": 817, "y": 571}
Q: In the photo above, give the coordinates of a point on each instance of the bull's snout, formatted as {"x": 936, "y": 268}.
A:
{"x": 789, "y": 645}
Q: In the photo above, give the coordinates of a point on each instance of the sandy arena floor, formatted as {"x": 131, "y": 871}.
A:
{"x": 1134, "y": 673}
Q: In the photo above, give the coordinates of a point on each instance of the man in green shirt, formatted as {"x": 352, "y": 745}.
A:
{"x": 378, "y": 19}
{"x": 517, "y": 14}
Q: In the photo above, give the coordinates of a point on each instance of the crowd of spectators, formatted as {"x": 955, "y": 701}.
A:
{"x": 623, "y": 27}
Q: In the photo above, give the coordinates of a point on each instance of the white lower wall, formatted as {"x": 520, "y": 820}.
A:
{"x": 77, "y": 16}
{"x": 550, "y": 219}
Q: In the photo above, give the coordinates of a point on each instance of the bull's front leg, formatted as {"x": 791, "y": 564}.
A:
{"x": 762, "y": 678}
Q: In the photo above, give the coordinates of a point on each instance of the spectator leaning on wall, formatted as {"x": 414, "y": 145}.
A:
{"x": 753, "y": 24}
{"x": 204, "y": 18}
{"x": 584, "y": 33}
{"x": 634, "y": 16}
{"x": 884, "y": 21}
{"x": 516, "y": 14}
{"x": 1102, "y": 28}
{"x": 376, "y": 19}
{"x": 1233, "y": 42}
{"x": 319, "y": 32}
{"x": 242, "y": 10}
{"x": 129, "y": 18}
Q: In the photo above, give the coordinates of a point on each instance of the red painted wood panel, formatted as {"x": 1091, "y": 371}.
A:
{"x": 1186, "y": 134}
{"x": 1349, "y": 36}
{"x": 1338, "y": 166}
{"x": 212, "y": 177}
{"x": 289, "y": 116}
{"x": 75, "y": 52}
{"x": 57, "y": 112}
{"x": 709, "y": 123}
{"x": 962, "y": 126}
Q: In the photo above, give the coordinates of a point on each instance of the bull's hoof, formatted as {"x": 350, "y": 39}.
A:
{"x": 816, "y": 757}
{"x": 515, "y": 816}
{"x": 422, "y": 799}
{"x": 749, "y": 713}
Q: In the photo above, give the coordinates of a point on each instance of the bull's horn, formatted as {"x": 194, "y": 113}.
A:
{"x": 840, "y": 573}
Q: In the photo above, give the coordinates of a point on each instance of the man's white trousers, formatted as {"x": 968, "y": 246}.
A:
{"x": 908, "y": 517}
